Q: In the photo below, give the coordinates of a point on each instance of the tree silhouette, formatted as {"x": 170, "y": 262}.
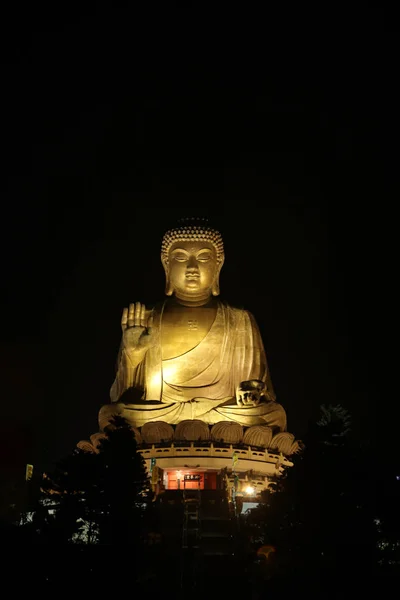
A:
{"x": 320, "y": 516}
{"x": 123, "y": 493}
{"x": 97, "y": 498}
{"x": 90, "y": 505}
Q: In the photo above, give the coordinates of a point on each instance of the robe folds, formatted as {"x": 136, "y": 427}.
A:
{"x": 201, "y": 383}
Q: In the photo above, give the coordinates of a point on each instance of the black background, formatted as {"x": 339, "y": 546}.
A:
{"x": 282, "y": 128}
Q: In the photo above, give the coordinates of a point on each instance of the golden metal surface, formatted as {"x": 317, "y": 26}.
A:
{"x": 194, "y": 356}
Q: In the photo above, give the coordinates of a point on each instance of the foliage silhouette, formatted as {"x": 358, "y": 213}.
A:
{"x": 97, "y": 498}
{"x": 320, "y": 516}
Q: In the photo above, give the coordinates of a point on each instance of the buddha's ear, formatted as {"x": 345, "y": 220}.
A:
{"x": 168, "y": 286}
{"x": 215, "y": 290}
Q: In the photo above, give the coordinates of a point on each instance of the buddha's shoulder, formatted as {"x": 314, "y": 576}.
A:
{"x": 236, "y": 310}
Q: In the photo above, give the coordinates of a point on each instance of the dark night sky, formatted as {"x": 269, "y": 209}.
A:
{"x": 282, "y": 129}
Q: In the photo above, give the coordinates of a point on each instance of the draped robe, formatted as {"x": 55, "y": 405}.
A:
{"x": 201, "y": 383}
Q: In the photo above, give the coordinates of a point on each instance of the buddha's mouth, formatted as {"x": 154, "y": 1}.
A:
{"x": 192, "y": 276}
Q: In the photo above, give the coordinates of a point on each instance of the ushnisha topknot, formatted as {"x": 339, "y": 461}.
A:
{"x": 192, "y": 230}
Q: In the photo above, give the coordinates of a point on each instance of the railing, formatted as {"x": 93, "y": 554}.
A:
{"x": 214, "y": 451}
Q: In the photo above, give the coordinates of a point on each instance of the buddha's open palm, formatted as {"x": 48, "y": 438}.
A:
{"x": 137, "y": 330}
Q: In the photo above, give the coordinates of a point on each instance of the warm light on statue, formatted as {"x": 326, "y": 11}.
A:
{"x": 195, "y": 356}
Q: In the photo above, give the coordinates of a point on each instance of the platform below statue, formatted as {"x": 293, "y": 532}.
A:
{"x": 195, "y": 464}
{"x": 194, "y": 454}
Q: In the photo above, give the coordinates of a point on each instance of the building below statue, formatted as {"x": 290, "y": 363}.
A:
{"x": 194, "y": 455}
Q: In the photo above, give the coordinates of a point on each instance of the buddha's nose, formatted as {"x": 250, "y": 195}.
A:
{"x": 192, "y": 264}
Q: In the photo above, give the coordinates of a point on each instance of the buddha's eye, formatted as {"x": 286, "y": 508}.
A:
{"x": 180, "y": 258}
{"x": 204, "y": 258}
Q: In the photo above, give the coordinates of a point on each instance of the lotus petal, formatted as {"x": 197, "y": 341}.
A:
{"x": 156, "y": 432}
{"x": 192, "y": 430}
{"x": 258, "y": 435}
{"x": 227, "y": 431}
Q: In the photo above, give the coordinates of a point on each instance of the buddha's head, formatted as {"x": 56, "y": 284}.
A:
{"x": 192, "y": 256}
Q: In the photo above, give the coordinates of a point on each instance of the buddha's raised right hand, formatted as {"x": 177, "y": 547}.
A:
{"x": 137, "y": 332}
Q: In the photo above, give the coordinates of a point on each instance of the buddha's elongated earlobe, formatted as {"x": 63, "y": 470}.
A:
{"x": 215, "y": 289}
{"x": 169, "y": 290}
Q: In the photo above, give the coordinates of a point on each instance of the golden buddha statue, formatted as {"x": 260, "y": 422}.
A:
{"x": 194, "y": 356}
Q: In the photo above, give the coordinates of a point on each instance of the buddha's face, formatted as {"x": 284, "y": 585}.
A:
{"x": 192, "y": 269}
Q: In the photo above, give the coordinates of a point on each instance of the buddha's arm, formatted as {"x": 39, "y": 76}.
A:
{"x": 137, "y": 338}
{"x": 250, "y": 355}
{"x": 130, "y": 372}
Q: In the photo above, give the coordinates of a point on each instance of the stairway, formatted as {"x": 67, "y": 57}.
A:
{"x": 207, "y": 538}
{"x": 191, "y": 519}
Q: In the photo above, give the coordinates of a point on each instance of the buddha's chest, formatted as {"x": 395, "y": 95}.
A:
{"x": 183, "y": 328}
